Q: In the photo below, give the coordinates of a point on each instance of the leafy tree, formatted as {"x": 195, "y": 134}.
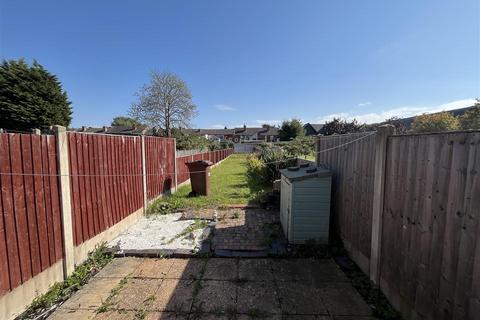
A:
{"x": 291, "y": 129}
{"x": 125, "y": 122}
{"x": 31, "y": 97}
{"x": 435, "y": 122}
{"x": 165, "y": 102}
{"x": 300, "y": 146}
{"x": 471, "y": 119}
{"x": 338, "y": 126}
{"x": 188, "y": 141}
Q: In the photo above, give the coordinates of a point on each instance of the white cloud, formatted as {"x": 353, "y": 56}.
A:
{"x": 223, "y": 108}
{"x": 270, "y": 122}
{"x": 400, "y": 112}
{"x": 364, "y": 104}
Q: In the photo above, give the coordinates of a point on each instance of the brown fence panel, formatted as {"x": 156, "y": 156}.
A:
{"x": 30, "y": 225}
{"x": 106, "y": 181}
{"x": 351, "y": 163}
{"x": 213, "y": 156}
{"x": 182, "y": 169}
{"x": 160, "y": 162}
{"x": 430, "y": 261}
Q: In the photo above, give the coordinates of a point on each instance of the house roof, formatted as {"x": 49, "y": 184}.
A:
{"x": 212, "y": 132}
{"x": 315, "y": 126}
{"x": 248, "y": 131}
{"x": 270, "y": 131}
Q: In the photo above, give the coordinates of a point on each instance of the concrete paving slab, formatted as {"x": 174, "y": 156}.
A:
{"x": 174, "y": 295}
{"x": 244, "y": 288}
{"x": 343, "y": 300}
{"x": 221, "y": 269}
{"x": 101, "y": 285}
{"x": 165, "y": 316}
{"x": 326, "y": 270}
{"x": 85, "y": 300}
{"x": 210, "y": 316}
{"x": 292, "y": 269}
{"x": 304, "y": 317}
{"x": 255, "y": 270}
{"x": 300, "y": 298}
{"x": 62, "y": 314}
{"x": 354, "y": 318}
{"x": 136, "y": 294}
{"x": 119, "y": 268}
{"x": 186, "y": 268}
{"x": 216, "y": 297}
{"x": 114, "y": 315}
{"x": 153, "y": 268}
{"x": 254, "y": 317}
{"x": 257, "y": 298}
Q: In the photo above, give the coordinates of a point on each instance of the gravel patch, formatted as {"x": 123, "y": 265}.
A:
{"x": 166, "y": 232}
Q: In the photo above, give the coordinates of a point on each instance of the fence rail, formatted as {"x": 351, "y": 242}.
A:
{"x": 106, "y": 184}
{"x": 426, "y": 236}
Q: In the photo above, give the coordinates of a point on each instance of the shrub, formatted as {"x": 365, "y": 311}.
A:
{"x": 300, "y": 146}
{"x": 266, "y": 163}
{"x": 436, "y": 122}
{"x": 471, "y": 119}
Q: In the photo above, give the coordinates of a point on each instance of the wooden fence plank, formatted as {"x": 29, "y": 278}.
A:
{"x": 20, "y": 208}
{"x": 40, "y": 201}
{"x": 26, "y": 149}
{"x": 57, "y": 219}
{"x": 9, "y": 213}
{"x": 4, "y": 272}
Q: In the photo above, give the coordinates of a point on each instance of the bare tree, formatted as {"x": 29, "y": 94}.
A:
{"x": 165, "y": 102}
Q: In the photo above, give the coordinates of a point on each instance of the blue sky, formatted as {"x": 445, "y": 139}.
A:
{"x": 255, "y": 61}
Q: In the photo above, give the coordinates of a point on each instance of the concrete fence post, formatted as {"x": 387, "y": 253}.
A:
{"x": 36, "y": 132}
{"x": 383, "y": 133}
{"x": 144, "y": 177}
{"x": 65, "y": 201}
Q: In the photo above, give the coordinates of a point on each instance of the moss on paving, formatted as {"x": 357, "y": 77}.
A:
{"x": 229, "y": 186}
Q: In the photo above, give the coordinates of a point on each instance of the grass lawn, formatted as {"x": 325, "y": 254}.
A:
{"x": 229, "y": 185}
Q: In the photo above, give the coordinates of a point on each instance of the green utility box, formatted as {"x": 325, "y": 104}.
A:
{"x": 305, "y": 204}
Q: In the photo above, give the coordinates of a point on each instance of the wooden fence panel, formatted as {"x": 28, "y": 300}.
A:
{"x": 352, "y": 189}
{"x": 430, "y": 263}
{"x": 213, "y": 156}
{"x": 105, "y": 178}
{"x": 30, "y": 225}
{"x": 160, "y": 162}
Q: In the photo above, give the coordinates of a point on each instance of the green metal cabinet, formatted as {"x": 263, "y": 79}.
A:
{"x": 305, "y": 204}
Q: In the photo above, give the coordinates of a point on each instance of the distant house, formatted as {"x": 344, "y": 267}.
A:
{"x": 265, "y": 133}
{"x": 312, "y": 129}
{"x": 213, "y": 134}
{"x": 269, "y": 135}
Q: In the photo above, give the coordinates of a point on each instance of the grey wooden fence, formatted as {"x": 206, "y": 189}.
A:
{"x": 428, "y": 230}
